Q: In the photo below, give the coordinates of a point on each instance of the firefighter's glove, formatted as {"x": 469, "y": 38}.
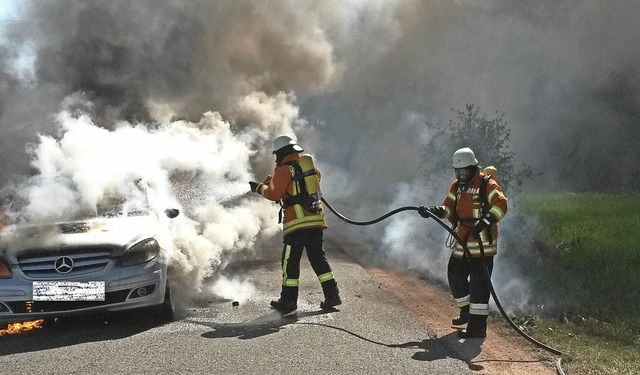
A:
{"x": 439, "y": 211}
{"x": 254, "y": 186}
{"x": 483, "y": 223}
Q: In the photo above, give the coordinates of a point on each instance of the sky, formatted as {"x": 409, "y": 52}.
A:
{"x": 362, "y": 84}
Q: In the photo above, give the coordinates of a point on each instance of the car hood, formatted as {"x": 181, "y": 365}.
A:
{"x": 117, "y": 233}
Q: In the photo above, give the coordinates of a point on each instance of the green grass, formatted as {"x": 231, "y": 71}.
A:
{"x": 590, "y": 346}
{"x": 595, "y": 239}
{"x": 590, "y": 244}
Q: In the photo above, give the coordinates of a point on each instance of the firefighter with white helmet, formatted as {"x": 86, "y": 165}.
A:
{"x": 474, "y": 204}
{"x": 296, "y": 186}
{"x": 464, "y": 163}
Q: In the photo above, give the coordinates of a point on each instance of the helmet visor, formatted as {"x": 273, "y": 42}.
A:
{"x": 463, "y": 175}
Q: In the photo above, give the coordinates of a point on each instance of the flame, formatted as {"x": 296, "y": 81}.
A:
{"x": 18, "y": 328}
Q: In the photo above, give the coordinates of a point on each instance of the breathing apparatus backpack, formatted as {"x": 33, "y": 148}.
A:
{"x": 307, "y": 184}
{"x": 490, "y": 172}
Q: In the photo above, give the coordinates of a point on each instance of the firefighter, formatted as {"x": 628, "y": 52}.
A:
{"x": 474, "y": 205}
{"x": 296, "y": 186}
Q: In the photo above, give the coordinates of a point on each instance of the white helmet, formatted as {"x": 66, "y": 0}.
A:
{"x": 464, "y": 157}
{"x": 285, "y": 140}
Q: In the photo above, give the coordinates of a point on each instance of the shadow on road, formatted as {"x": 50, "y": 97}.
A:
{"x": 449, "y": 346}
{"x": 431, "y": 349}
{"x": 436, "y": 348}
{"x": 262, "y": 325}
{"x": 70, "y": 331}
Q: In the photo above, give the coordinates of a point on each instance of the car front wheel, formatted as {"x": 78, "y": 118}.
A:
{"x": 167, "y": 310}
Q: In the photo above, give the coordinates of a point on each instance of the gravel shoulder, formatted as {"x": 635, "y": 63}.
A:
{"x": 502, "y": 352}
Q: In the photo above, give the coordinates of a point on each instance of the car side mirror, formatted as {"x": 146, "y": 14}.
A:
{"x": 172, "y": 212}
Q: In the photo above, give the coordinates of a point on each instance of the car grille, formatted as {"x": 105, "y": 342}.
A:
{"x": 41, "y": 265}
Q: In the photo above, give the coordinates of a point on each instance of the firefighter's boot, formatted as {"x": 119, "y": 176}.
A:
{"x": 477, "y": 327}
{"x": 463, "y": 318}
{"x": 331, "y": 295}
{"x": 288, "y": 301}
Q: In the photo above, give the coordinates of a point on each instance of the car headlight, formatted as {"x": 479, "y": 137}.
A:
{"x": 5, "y": 271}
{"x": 141, "y": 252}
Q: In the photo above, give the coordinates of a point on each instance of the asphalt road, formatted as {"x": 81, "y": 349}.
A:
{"x": 371, "y": 333}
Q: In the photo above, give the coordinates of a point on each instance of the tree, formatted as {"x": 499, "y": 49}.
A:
{"x": 487, "y": 137}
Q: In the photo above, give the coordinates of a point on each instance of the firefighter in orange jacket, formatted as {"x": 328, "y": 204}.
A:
{"x": 296, "y": 185}
{"x": 474, "y": 204}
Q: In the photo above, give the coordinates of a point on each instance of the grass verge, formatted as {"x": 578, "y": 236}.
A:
{"x": 589, "y": 243}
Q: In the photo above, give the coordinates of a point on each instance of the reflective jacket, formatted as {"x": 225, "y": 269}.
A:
{"x": 465, "y": 209}
{"x": 281, "y": 186}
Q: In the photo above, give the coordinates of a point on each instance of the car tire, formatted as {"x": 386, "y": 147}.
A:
{"x": 167, "y": 310}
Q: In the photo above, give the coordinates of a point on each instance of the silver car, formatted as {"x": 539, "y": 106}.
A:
{"x": 109, "y": 260}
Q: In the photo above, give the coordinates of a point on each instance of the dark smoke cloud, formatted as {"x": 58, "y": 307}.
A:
{"x": 358, "y": 81}
{"x": 564, "y": 72}
{"x": 128, "y": 58}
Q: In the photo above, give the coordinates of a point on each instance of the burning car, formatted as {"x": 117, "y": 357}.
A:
{"x": 85, "y": 258}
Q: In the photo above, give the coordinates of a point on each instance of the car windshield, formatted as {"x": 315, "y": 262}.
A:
{"x": 60, "y": 199}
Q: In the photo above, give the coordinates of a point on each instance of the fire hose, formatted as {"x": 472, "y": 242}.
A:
{"x": 468, "y": 254}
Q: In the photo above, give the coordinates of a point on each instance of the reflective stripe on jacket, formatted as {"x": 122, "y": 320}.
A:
{"x": 466, "y": 208}
{"x": 281, "y": 185}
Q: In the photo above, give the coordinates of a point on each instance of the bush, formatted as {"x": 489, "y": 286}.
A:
{"x": 487, "y": 137}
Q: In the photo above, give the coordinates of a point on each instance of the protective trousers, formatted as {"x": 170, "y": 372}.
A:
{"x": 469, "y": 284}
{"x": 294, "y": 244}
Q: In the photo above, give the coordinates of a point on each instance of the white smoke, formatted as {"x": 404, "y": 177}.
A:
{"x": 201, "y": 168}
{"x": 233, "y": 289}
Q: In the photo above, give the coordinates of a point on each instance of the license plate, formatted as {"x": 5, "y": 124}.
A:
{"x": 68, "y": 291}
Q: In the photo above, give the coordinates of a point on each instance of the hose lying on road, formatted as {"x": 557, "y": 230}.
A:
{"x": 464, "y": 246}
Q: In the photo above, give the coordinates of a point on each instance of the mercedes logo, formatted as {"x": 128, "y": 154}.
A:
{"x": 63, "y": 265}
